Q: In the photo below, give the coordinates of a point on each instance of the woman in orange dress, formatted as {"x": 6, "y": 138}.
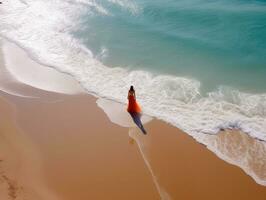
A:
{"x": 134, "y": 109}
{"x": 133, "y": 106}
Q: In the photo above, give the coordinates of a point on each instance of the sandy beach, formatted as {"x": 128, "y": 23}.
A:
{"x": 64, "y": 146}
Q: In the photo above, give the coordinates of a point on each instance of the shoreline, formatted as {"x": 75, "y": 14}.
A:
{"x": 224, "y": 144}
{"x": 24, "y": 105}
{"x": 33, "y": 77}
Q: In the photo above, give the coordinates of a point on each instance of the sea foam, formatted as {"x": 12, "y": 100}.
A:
{"x": 44, "y": 28}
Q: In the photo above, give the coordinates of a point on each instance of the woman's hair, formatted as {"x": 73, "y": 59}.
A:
{"x": 132, "y": 88}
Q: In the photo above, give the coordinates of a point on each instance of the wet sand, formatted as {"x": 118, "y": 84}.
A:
{"x": 187, "y": 170}
{"x": 21, "y": 174}
{"x": 85, "y": 156}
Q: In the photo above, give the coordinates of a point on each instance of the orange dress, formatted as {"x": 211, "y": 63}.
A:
{"x": 133, "y": 106}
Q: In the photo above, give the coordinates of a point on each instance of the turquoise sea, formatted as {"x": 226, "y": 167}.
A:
{"x": 197, "y": 64}
{"x": 218, "y": 42}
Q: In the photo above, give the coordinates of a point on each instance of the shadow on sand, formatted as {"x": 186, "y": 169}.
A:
{"x": 137, "y": 120}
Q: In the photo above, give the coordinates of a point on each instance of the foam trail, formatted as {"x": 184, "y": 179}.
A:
{"x": 142, "y": 146}
{"x": 94, "y": 6}
{"x": 128, "y": 5}
{"x": 103, "y": 54}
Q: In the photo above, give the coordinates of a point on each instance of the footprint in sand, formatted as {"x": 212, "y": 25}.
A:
{"x": 12, "y": 187}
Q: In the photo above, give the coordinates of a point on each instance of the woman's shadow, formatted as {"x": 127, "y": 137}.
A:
{"x": 137, "y": 120}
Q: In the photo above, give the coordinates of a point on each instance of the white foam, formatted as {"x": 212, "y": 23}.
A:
{"x": 129, "y": 5}
{"x": 102, "y": 54}
{"x": 94, "y": 6}
{"x": 176, "y": 100}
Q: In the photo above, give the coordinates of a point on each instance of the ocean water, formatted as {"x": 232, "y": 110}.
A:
{"x": 215, "y": 42}
{"x": 197, "y": 64}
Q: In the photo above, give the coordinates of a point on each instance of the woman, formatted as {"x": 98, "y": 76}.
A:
{"x": 134, "y": 109}
{"x": 133, "y": 106}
